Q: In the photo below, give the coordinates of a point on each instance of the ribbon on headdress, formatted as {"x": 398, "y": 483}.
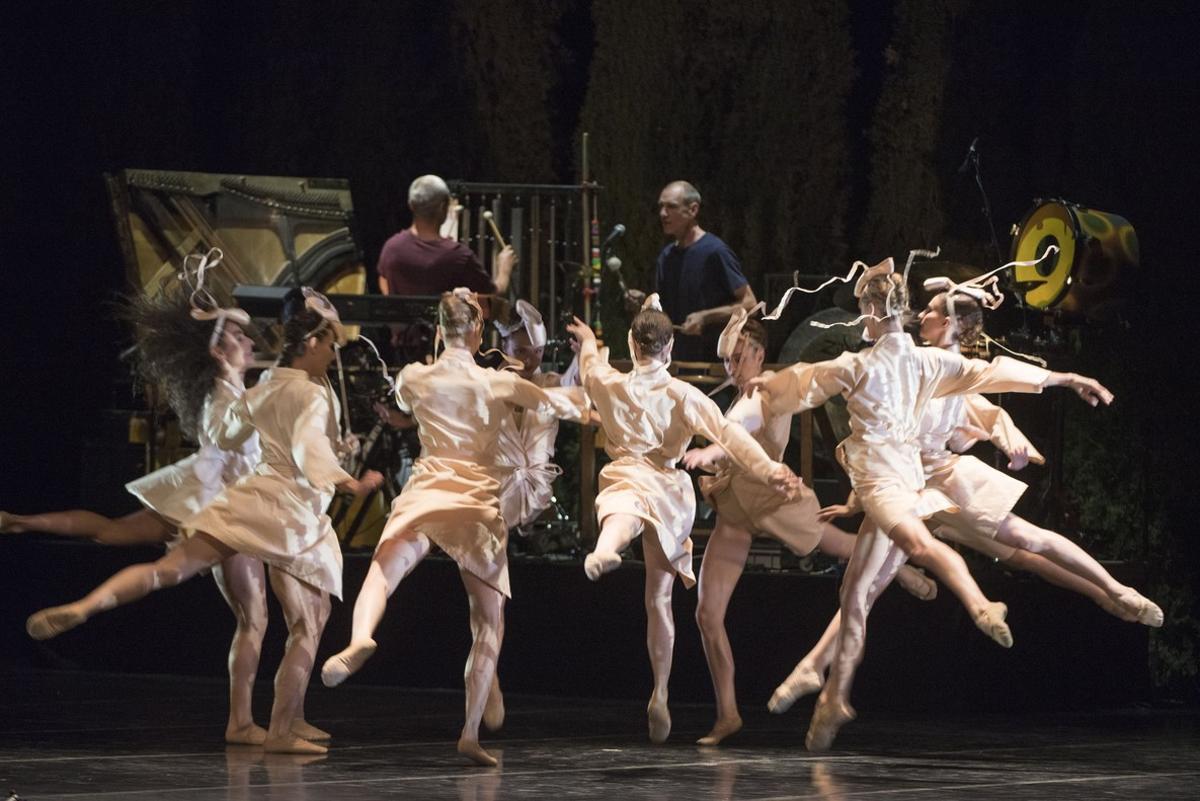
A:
{"x": 787, "y": 296}
{"x": 733, "y": 329}
{"x": 985, "y": 290}
{"x": 329, "y": 315}
{"x": 652, "y": 302}
{"x": 527, "y": 316}
{"x": 204, "y": 306}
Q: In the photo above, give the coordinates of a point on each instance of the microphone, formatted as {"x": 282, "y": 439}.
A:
{"x": 617, "y": 232}
{"x": 971, "y": 156}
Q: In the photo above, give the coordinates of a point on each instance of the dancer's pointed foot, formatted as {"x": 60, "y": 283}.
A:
{"x": 346, "y": 663}
{"x": 916, "y": 583}
{"x": 990, "y": 620}
{"x": 1142, "y": 608}
{"x": 54, "y": 621}
{"x": 291, "y": 744}
{"x": 472, "y": 750}
{"x": 302, "y": 728}
{"x": 597, "y": 563}
{"x": 828, "y": 718}
{"x": 804, "y": 680}
{"x": 245, "y": 735}
{"x": 493, "y": 710}
{"x": 1115, "y": 609}
{"x": 724, "y": 727}
{"x": 9, "y": 524}
{"x": 659, "y": 718}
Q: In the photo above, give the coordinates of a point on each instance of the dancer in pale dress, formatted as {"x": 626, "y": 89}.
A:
{"x": 746, "y": 507}
{"x": 275, "y": 514}
{"x": 649, "y": 418}
{"x": 451, "y": 501}
{"x": 196, "y": 353}
{"x": 984, "y": 497}
{"x": 887, "y": 388}
{"x": 525, "y": 441}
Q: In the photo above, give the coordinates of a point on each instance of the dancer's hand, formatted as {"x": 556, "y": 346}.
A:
{"x": 831, "y": 513}
{"x": 1091, "y": 390}
{"x": 582, "y": 332}
{"x": 370, "y": 481}
{"x": 754, "y": 384}
{"x": 634, "y": 298}
{"x": 692, "y": 324}
{"x": 706, "y": 459}
{"x": 1018, "y": 458}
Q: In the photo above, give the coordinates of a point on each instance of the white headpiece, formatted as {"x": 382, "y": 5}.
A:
{"x": 204, "y": 305}
{"x": 329, "y": 315}
{"x": 527, "y": 316}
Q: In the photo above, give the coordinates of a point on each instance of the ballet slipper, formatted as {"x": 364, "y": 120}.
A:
{"x": 493, "y": 710}
{"x": 302, "y": 728}
{"x": 721, "y": 729}
{"x": 347, "y": 662}
{"x": 659, "y": 718}
{"x": 52, "y": 622}
{"x": 990, "y": 620}
{"x": 1115, "y": 609}
{"x": 8, "y": 523}
{"x": 246, "y": 735}
{"x": 473, "y": 751}
{"x": 828, "y": 718}
{"x": 804, "y": 680}
{"x": 916, "y": 583}
{"x": 1142, "y": 608}
{"x": 597, "y": 563}
{"x": 291, "y": 744}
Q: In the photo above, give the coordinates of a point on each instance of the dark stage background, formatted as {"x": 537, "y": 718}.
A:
{"x": 819, "y": 133}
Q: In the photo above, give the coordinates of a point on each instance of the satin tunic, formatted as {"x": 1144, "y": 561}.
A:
{"x": 180, "y": 490}
{"x": 649, "y": 418}
{"x": 453, "y": 494}
{"x": 887, "y": 389}
{"x": 742, "y": 501}
{"x": 984, "y": 496}
{"x": 277, "y": 513}
{"x": 525, "y": 457}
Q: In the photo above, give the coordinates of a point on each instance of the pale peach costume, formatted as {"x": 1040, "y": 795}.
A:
{"x": 452, "y": 496}
{"x": 984, "y": 496}
{"x": 524, "y": 454}
{"x": 180, "y": 490}
{"x": 748, "y": 504}
{"x": 649, "y": 418}
{"x": 887, "y": 389}
{"x": 277, "y": 513}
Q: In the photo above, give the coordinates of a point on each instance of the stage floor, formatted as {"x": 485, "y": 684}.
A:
{"x": 87, "y": 735}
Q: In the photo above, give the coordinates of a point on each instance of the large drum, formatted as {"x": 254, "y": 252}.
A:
{"x": 1084, "y": 278}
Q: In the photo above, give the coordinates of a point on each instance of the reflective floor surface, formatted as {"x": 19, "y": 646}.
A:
{"x": 95, "y": 736}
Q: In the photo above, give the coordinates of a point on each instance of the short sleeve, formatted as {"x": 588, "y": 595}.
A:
{"x": 726, "y": 264}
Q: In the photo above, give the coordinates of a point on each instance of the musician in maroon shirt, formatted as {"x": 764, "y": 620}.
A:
{"x": 420, "y": 261}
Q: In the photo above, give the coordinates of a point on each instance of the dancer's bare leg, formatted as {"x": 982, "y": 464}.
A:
{"x": 724, "y": 559}
{"x": 243, "y": 583}
{"x": 872, "y": 566}
{"x": 487, "y": 631}
{"x": 305, "y": 609}
{"x": 837, "y": 543}
{"x": 198, "y": 552}
{"x": 616, "y": 532}
{"x": 1019, "y": 533}
{"x": 393, "y": 560}
{"x": 143, "y": 527}
{"x": 1061, "y": 577}
{"x": 660, "y": 633}
{"x": 493, "y": 712}
{"x": 918, "y": 544}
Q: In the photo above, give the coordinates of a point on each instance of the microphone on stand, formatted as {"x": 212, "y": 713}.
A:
{"x": 970, "y": 157}
{"x": 617, "y": 232}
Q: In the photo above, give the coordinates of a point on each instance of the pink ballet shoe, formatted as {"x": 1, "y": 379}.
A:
{"x": 1142, "y": 608}
{"x": 828, "y": 718}
{"x": 804, "y": 680}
